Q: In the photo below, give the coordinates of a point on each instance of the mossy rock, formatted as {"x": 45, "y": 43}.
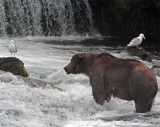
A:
{"x": 141, "y": 53}
{"x": 13, "y": 65}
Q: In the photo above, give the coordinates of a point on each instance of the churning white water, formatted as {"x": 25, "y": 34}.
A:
{"x": 51, "y": 98}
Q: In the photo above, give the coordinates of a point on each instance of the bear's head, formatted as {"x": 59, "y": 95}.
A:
{"x": 76, "y": 65}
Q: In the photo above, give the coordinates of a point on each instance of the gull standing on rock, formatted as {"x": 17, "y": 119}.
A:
{"x": 12, "y": 47}
{"x": 137, "y": 41}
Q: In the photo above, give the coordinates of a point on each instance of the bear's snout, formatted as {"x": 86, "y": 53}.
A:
{"x": 67, "y": 70}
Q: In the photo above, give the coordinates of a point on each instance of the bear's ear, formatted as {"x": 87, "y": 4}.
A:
{"x": 81, "y": 56}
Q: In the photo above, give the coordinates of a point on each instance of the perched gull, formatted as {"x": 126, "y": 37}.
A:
{"x": 136, "y": 41}
{"x": 12, "y": 47}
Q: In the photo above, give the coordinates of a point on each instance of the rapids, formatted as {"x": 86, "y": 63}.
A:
{"x": 51, "y": 98}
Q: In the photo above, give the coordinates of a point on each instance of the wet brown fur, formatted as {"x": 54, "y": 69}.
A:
{"x": 123, "y": 78}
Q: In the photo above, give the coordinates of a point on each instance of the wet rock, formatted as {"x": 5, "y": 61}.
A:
{"x": 156, "y": 70}
{"x": 13, "y": 65}
{"x": 142, "y": 53}
{"x": 38, "y": 83}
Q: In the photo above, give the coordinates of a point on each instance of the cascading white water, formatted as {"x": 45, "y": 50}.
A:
{"x": 45, "y": 17}
{"x": 57, "y": 17}
{"x": 22, "y": 17}
{"x": 2, "y": 19}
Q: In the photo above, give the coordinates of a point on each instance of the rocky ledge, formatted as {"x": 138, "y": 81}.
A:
{"x": 141, "y": 53}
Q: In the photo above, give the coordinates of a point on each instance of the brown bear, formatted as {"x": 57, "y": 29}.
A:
{"x": 123, "y": 78}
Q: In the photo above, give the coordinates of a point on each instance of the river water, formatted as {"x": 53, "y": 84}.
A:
{"x": 51, "y": 98}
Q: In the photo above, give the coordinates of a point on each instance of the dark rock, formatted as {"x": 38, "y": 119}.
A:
{"x": 38, "y": 83}
{"x": 142, "y": 53}
{"x": 13, "y": 65}
{"x": 156, "y": 70}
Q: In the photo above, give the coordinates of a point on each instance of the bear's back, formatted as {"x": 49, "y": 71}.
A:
{"x": 114, "y": 62}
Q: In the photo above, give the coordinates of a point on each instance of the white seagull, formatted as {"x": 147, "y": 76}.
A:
{"x": 12, "y": 47}
{"x": 137, "y": 41}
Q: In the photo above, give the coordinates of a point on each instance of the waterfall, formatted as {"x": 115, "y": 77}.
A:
{"x": 45, "y": 17}
{"x": 2, "y": 20}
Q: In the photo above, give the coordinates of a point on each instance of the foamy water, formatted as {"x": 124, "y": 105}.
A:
{"x": 51, "y": 98}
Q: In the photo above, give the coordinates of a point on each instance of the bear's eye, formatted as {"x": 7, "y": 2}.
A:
{"x": 76, "y": 61}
